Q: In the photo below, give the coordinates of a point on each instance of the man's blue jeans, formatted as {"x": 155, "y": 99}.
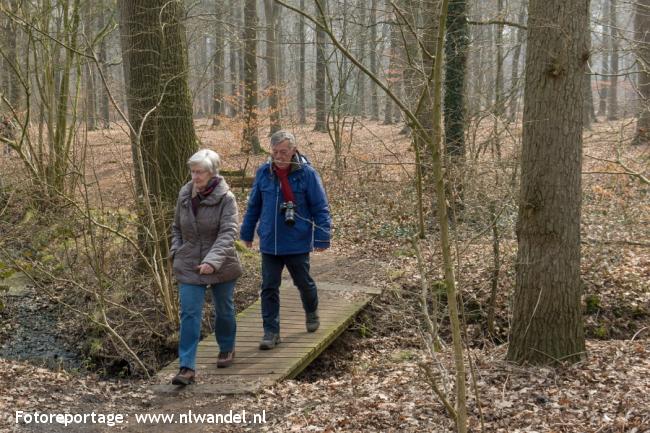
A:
{"x": 225, "y": 326}
{"x": 272, "y": 266}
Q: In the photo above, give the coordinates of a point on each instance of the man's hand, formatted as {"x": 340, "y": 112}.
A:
{"x": 319, "y": 250}
{"x": 205, "y": 269}
{"x": 249, "y": 244}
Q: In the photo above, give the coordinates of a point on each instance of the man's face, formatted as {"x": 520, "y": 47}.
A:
{"x": 282, "y": 154}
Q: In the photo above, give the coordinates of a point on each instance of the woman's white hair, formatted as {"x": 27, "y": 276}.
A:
{"x": 207, "y": 159}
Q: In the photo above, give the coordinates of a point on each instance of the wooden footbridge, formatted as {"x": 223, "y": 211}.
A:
{"x": 254, "y": 369}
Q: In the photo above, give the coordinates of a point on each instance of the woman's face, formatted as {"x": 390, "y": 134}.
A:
{"x": 200, "y": 176}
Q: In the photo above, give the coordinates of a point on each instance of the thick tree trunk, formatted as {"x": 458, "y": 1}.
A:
{"x": 251, "y": 141}
{"x": 155, "y": 69}
{"x": 547, "y": 319}
{"x": 271, "y": 14}
{"x": 642, "y": 30}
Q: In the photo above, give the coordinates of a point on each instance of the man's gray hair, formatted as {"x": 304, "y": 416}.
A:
{"x": 281, "y": 136}
{"x": 207, "y": 159}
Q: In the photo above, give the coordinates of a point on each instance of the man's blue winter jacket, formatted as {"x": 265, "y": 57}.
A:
{"x": 313, "y": 223}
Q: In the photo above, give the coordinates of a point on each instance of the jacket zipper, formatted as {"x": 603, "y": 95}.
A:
{"x": 275, "y": 223}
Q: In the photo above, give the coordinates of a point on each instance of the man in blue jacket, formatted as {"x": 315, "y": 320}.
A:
{"x": 289, "y": 202}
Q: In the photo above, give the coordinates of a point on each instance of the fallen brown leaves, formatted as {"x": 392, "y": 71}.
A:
{"x": 383, "y": 391}
{"x": 29, "y": 388}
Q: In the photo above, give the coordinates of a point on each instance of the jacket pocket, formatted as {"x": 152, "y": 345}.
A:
{"x": 183, "y": 247}
{"x": 183, "y": 261}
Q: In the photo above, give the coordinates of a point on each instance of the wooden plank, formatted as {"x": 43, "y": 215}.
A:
{"x": 254, "y": 369}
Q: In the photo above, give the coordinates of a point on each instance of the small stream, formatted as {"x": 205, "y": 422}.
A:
{"x": 30, "y": 329}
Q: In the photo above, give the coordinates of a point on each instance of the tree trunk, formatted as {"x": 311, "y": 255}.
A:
{"x": 218, "y": 67}
{"x": 589, "y": 115}
{"x": 91, "y": 97}
{"x": 642, "y": 30}
{"x": 251, "y": 141}
{"x": 302, "y": 113}
{"x": 488, "y": 69}
{"x": 499, "y": 105}
{"x": 612, "y": 94}
{"x": 155, "y": 69}
{"x": 57, "y": 171}
{"x": 412, "y": 61}
{"x": 88, "y": 73}
{"x": 11, "y": 40}
{"x": 547, "y": 323}
{"x": 603, "y": 82}
{"x": 456, "y": 45}
{"x": 105, "y": 100}
{"x": 321, "y": 77}
{"x": 235, "y": 71}
{"x": 374, "y": 101}
{"x": 393, "y": 73}
{"x": 271, "y": 14}
{"x": 361, "y": 50}
{"x": 516, "y": 55}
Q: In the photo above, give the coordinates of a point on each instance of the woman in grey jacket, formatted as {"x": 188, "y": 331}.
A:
{"x": 203, "y": 249}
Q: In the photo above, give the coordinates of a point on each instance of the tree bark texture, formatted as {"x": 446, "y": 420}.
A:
{"x": 271, "y": 14}
{"x": 516, "y": 55}
{"x": 321, "y": 77}
{"x": 499, "y": 103}
{"x": 302, "y": 113}
{"x": 374, "y": 101}
{"x": 11, "y": 40}
{"x": 362, "y": 41}
{"x": 642, "y": 30}
{"x": 104, "y": 98}
{"x": 612, "y": 94}
{"x": 547, "y": 319}
{"x": 218, "y": 65}
{"x": 392, "y": 75}
{"x": 456, "y": 45}
{"x": 251, "y": 141}
{"x": 233, "y": 66}
{"x": 155, "y": 69}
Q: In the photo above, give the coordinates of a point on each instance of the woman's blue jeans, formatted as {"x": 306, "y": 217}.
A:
{"x": 225, "y": 326}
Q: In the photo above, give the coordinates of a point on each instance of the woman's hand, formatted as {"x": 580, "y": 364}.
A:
{"x": 205, "y": 269}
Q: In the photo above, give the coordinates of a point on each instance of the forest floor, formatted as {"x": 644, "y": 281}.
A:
{"x": 371, "y": 379}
